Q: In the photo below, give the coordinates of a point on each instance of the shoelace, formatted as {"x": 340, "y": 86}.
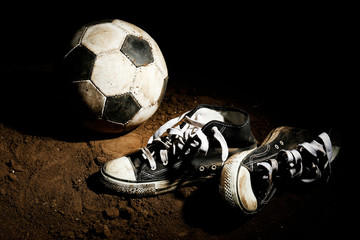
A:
{"x": 181, "y": 135}
{"x": 320, "y": 156}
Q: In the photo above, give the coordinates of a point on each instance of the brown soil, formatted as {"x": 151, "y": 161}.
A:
{"x": 49, "y": 164}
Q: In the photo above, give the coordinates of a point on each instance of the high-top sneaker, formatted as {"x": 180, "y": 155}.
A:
{"x": 249, "y": 181}
{"x": 190, "y": 148}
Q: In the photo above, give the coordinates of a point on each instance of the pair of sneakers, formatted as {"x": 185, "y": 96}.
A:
{"x": 211, "y": 141}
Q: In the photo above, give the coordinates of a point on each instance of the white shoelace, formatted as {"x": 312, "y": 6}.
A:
{"x": 316, "y": 150}
{"x": 189, "y": 130}
{"x": 295, "y": 159}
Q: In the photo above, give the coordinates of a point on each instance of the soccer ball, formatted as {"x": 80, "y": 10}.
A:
{"x": 117, "y": 73}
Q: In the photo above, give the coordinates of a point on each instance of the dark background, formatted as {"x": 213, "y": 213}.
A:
{"x": 291, "y": 59}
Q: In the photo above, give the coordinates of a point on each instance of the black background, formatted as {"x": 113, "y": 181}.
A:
{"x": 294, "y": 59}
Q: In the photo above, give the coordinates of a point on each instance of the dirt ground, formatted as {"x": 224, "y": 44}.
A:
{"x": 49, "y": 166}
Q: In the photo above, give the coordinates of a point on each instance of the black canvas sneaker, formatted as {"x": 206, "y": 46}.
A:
{"x": 190, "y": 148}
{"x": 250, "y": 180}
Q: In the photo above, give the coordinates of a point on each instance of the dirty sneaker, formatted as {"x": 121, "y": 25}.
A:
{"x": 250, "y": 180}
{"x": 190, "y": 148}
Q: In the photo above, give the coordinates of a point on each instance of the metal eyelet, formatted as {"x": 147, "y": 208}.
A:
{"x": 276, "y": 146}
{"x": 213, "y": 167}
{"x": 201, "y": 168}
{"x": 281, "y": 143}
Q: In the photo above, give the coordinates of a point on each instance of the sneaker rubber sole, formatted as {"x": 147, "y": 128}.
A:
{"x": 232, "y": 177}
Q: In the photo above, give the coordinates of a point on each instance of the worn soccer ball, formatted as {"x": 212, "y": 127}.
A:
{"x": 117, "y": 73}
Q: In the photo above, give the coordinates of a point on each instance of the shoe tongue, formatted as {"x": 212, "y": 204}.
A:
{"x": 205, "y": 115}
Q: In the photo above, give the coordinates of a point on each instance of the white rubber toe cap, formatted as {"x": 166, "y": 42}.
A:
{"x": 246, "y": 194}
{"x": 120, "y": 168}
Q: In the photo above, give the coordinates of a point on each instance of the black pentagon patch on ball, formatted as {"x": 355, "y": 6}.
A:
{"x": 78, "y": 64}
{"x": 137, "y": 50}
{"x": 121, "y": 109}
